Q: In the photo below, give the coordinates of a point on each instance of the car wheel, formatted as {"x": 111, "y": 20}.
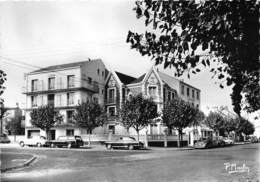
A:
{"x": 38, "y": 144}
{"x": 130, "y": 147}
{"x": 109, "y": 146}
{"x": 22, "y": 144}
{"x": 69, "y": 145}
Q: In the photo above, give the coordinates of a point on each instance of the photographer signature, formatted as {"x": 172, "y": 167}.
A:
{"x": 234, "y": 168}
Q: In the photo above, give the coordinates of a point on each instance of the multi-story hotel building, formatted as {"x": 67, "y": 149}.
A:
{"x": 156, "y": 84}
{"x": 64, "y": 86}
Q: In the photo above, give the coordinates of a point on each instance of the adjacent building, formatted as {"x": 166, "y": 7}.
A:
{"x": 64, "y": 86}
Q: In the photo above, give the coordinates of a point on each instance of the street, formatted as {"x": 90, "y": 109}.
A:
{"x": 159, "y": 164}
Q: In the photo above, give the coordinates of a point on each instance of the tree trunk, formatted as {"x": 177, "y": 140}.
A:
{"x": 89, "y": 142}
{"x": 137, "y": 136}
{"x": 178, "y": 142}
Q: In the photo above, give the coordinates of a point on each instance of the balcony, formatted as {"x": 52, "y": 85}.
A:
{"x": 111, "y": 101}
{"x": 44, "y": 89}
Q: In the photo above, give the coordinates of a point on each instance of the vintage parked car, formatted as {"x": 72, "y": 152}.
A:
{"x": 66, "y": 141}
{"x": 254, "y": 139}
{"x": 124, "y": 142}
{"x": 4, "y": 138}
{"x": 38, "y": 141}
{"x": 205, "y": 143}
{"x": 228, "y": 141}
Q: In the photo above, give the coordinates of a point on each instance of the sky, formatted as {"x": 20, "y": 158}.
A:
{"x": 39, "y": 34}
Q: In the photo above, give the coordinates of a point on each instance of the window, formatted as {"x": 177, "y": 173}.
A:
{"x": 198, "y": 95}
{"x": 51, "y": 99}
{"x": 111, "y": 111}
{"x": 71, "y": 80}
{"x": 34, "y": 101}
{"x": 103, "y": 73}
{"x": 197, "y": 105}
{"x": 102, "y": 91}
{"x": 111, "y": 95}
{"x": 34, "y": 85}
{"x": 111, "y": 128}
{"x": 95, "y": 100}
{"x": 193, "y": 95}
{"x": 188, "y": 92}
{"x": 70, "y": 116}
{"x": 169, "y": 95}
{"x": 89, "y": 80}
{"x": 51, "y": 83}
{"x": 123, "y": 94}
{"x": 98, "y": 71}
{"x": 70, "y": 98}
{"x": 152, "y": 91}
{"x": 173, "y": 95}
{"x": 69, "y": 132}
{"x": 182, "y": 89}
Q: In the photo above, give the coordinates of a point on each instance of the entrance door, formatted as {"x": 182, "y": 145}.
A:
{"x": 52, "y": 135}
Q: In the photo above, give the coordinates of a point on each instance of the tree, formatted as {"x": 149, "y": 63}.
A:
{"x": 187, "y": 35}
{"x": 244, "y": 126}
{"x": 178, "y": 114}
{"x": 2, "y": 80}
{"x": 216, "y": 122}
{"x": 14, "y": 126}
{"x": 90, "y": 115}
{"x": 45, "y": 117}
{"x": 137, "y": 112}
{"x": 2, "y": 88}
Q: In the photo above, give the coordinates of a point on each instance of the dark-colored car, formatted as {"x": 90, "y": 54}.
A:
{"x": 4, "y": 138}
{"x": 124, "y": 142}
{"x": 205, "y": 143}
{"x": 66, "y": 141}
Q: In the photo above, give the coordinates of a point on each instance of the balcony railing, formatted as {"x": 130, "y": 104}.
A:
{"x": 111, "y": 100}
{"x": 93, "y": 87}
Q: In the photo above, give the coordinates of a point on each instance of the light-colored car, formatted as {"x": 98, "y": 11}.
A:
{"x": 228, "y": 141}
{"x": 124, "y": 142}
{"x": 38, "y": 141}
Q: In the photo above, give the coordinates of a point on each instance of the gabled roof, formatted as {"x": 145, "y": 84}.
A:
{"x": 169, "y": 80}
{"x": 125, "y": 79}
{"x": 139, "y": 79}
{"x": 62, "y": 66}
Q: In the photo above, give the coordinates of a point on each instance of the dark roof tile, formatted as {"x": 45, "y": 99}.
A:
{"x": 125, "y": 79}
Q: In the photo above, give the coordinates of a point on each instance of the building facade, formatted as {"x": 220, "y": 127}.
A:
{"x": 155, "y": 84}
{"x": 64, "y": 86}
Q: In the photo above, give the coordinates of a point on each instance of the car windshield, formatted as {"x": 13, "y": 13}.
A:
{"x": 127, "y": 138}
{"x": 78, "y": 138}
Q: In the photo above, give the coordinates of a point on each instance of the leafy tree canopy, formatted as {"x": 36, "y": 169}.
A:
{"x": 226, "y": 32}
{"x": 178, "y": 114}
{"x": 215, "y": 121}
{"x": 45, "y": 117}
{"x": 138, "y": 112}
{"x": 90, "y": 115}
{"x": 2, "y": 80}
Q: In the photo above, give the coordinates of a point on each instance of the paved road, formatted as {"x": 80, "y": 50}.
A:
{"x": 157, "y": 165}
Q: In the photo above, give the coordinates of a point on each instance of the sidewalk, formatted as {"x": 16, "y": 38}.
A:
{"x": 11, "y": 161}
